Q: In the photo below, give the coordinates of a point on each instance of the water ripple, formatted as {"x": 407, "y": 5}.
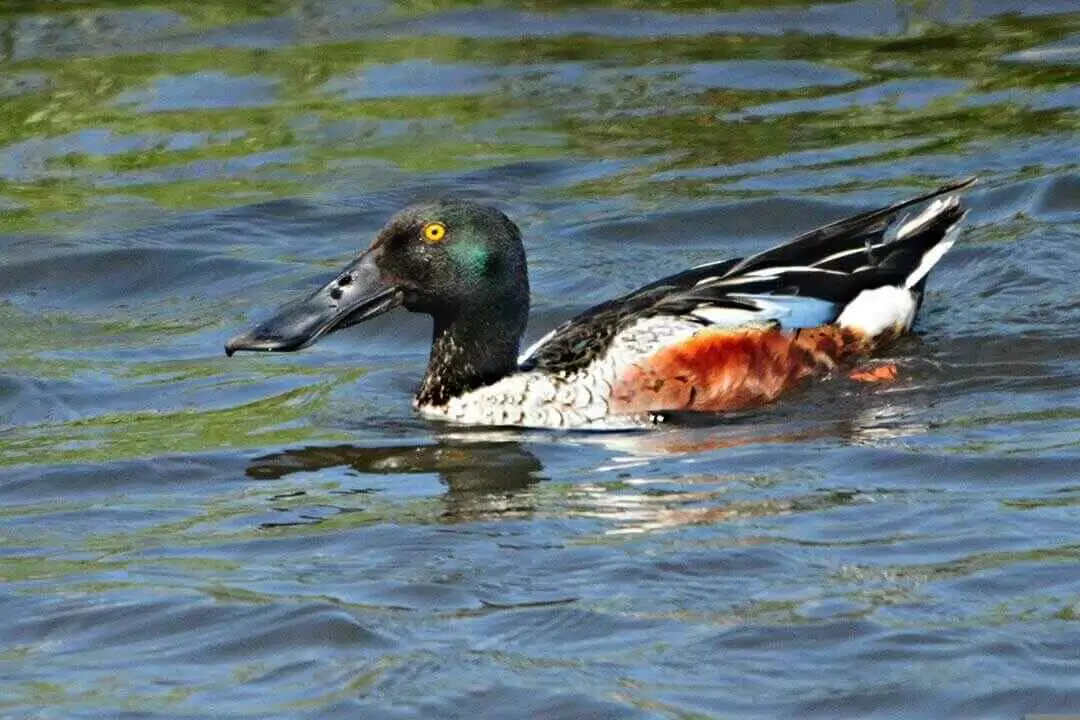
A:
{"x": 184, "y": 535}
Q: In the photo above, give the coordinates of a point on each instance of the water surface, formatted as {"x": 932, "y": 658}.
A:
{"x": 187, "y": 536}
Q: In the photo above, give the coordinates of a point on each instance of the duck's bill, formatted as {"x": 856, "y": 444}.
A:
{"x": 355, "y": 295}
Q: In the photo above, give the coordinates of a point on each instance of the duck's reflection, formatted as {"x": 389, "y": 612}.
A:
{"x": 636, "y": 481}
{"x": 482, "y": 478}
{"x": 882, "y": 423}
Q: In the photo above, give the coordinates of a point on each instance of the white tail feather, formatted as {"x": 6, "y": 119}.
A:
{"x": 890, "y": 307}
{"x": 872, "y": 312}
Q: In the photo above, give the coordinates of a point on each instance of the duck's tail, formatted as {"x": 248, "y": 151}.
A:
{"x": 866, "y": 272}
{"x": 906, "y": 253}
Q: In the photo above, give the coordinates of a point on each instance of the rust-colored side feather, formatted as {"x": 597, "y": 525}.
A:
{"x": 718, "y": 370}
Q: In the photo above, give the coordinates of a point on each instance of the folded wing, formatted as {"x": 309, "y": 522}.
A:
{"x": 865, "y": 272}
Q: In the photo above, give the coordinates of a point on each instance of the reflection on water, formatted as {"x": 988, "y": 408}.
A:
{"x": 186, "y": 536}
{"x": 490, "y": 474}
{"x": 482, "y": 479}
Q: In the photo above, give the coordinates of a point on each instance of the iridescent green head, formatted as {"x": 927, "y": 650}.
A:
{"x": 460, "y": 262}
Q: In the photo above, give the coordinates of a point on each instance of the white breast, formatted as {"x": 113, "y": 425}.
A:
{"x": 579, "y": 399}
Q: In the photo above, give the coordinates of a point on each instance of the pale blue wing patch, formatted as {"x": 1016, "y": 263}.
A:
{"x": 790, "y": 311}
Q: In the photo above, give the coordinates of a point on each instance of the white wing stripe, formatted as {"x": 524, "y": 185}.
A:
{"x": 727, "y": 317}
{"x": 923, "y": 219}
{"x": 845, "y": 253}
{"x": 930, "y": 259}
{"x": 774, "y": 271}
{"x": 764, "y": 274}
{"x": 533, "y": 348}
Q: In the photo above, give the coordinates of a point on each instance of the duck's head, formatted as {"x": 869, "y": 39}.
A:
{"x": 460, "y": 262}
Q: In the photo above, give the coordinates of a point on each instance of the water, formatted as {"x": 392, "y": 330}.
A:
{"x": 188, "y": 536}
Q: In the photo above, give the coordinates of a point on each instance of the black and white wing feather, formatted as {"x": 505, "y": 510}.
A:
{"x": 867, "y": 271}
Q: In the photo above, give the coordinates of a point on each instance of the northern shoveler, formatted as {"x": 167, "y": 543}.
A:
{"x": 721, "y": 336}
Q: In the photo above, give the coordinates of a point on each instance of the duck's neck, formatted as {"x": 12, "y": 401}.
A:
{"x": 468, "y": 351}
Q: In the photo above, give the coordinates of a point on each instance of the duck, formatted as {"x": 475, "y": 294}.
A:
{"x": 723, "y": 336}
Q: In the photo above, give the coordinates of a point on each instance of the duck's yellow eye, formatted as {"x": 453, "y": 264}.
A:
{"x": 434, "y": 232}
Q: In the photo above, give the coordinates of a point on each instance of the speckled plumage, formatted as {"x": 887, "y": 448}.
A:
{"x": 574, "y": 398}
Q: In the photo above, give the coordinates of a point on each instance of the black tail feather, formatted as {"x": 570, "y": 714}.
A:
{"x": 849, "y": 233}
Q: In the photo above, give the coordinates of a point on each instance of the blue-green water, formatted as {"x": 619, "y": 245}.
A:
{"x": 188, "y": 536}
